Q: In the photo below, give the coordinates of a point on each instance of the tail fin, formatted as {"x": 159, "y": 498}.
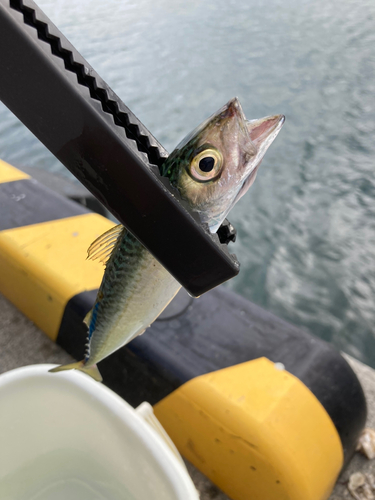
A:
{"x": 80, "y": 365}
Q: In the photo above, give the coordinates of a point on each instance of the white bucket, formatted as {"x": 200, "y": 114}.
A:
{"x": 66, "y": 437}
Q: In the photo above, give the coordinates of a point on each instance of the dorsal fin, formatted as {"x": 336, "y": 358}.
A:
{"x": 102, "y": 247}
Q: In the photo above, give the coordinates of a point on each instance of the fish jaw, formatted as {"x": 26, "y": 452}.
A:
{"x": 263, "y": 132}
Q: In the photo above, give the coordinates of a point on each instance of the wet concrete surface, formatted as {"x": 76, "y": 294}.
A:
{"x": 22, "y": 343}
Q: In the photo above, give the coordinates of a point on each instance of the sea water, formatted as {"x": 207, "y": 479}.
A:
{"x": 306, "y": 228}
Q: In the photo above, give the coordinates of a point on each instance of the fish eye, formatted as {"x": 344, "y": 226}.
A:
{"x": 206, "y": 165}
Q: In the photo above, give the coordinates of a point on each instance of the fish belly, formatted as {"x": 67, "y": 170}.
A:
{"x": 135, "y": 290}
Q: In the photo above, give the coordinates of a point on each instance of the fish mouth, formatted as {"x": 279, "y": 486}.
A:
{"x": 263, "y": 132}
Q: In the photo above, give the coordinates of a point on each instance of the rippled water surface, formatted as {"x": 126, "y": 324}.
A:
{"x": 307, "y": 227}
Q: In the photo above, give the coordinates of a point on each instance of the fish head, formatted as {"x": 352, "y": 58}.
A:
{"x": 216, "y": 163}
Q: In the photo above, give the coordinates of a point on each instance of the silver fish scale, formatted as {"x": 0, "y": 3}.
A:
{"x": 122, "y": 274}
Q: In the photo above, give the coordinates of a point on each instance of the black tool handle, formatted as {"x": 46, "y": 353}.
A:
{"x": 48, "y": 85}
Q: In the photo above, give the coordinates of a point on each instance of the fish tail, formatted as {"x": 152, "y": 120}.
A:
{"x": 80, "y": 365}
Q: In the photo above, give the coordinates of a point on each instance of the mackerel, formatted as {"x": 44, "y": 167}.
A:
{"x": 212, "y": 168}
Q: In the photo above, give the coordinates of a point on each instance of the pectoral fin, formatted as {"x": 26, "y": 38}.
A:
{"x": 102, "y": 247}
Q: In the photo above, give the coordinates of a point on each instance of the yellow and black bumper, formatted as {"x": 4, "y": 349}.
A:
{"x": 256, "y": 431}
{"x": 43, "y": 246}
{"x": 262, "y": 408}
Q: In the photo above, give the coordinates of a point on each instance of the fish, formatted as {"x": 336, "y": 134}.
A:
{"x": 212, "y": 168}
